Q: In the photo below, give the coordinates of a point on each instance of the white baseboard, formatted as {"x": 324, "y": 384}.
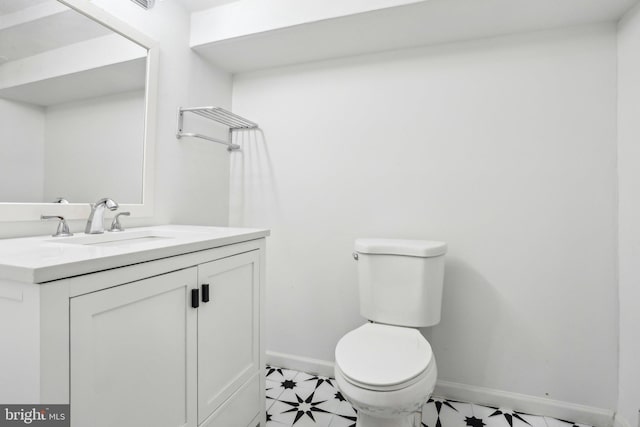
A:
{"x": 483, "y": 396}
{"x": 300, "y": 363}
{"x": 620, "y": 421}
{"x": 525, "y": 403}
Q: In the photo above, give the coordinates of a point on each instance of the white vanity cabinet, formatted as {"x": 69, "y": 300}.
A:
{"x": 176, "y": 341}
{"x": 132, "y": 353}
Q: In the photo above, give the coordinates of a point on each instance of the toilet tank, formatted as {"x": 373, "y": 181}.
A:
{"x": 400, "y": 281}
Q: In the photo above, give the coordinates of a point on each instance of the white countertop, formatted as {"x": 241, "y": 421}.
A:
{"x": 45, "y": 258}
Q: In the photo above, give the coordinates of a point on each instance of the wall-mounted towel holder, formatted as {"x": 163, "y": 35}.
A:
{"x": 217, "y": 114}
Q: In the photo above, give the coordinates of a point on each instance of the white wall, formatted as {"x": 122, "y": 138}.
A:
{"x": 191, "y": 177}
{"x": 629, "y": 214}
{"x": 505, "y": 148}
{"x": 87, "y": 153}
{"x": 21, "y": 152}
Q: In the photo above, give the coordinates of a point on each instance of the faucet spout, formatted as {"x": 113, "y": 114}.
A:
{"x": 95, "y": 223}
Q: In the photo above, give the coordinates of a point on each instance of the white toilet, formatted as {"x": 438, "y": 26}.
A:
{"x": 386, "y": 368}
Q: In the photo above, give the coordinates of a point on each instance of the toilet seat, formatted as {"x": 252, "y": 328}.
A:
{"x": 382, "y": 357}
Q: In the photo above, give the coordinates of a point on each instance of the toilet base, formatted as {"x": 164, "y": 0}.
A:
{"x": 398, "y": 408}
{"x": 412, "y": 420}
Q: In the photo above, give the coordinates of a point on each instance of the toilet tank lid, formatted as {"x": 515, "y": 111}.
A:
{"x": 417, "y": 248}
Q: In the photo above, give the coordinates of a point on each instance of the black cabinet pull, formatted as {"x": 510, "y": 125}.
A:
{"x": 195, "y": 298}
{"x": 205, "y": 292}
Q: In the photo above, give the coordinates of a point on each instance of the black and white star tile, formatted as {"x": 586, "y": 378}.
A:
{"x": 303, "y": 400}
{"x": 298, "y": 399}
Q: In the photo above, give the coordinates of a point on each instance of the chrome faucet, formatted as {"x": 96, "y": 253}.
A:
{"x": 95, "y": 223}
{"x": 63, "y": 227}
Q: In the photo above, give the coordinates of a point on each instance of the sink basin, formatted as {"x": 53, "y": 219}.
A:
{"x": 124, "y": 239}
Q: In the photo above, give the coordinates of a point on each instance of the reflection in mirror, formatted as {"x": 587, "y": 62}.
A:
{"x": 72, "y": 107}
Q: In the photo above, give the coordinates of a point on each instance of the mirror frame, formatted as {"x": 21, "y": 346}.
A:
{"x": 12, "y": 212}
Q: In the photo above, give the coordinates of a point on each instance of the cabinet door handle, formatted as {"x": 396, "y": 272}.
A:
{"x": 205, "y": 292}
{"x": 195, "y": 298}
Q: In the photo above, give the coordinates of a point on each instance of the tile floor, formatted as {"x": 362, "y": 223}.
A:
{"x": 303, "y": 400}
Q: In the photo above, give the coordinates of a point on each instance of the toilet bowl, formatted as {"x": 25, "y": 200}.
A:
{"x": 387, "y": 373}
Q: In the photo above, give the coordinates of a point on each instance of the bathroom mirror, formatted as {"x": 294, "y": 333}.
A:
{"x": 77, "y": 110}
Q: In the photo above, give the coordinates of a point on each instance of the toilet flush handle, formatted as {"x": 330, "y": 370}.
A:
{"x": 355, "y": 255}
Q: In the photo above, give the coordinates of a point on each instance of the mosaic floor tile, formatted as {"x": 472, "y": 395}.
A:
{"x": 299, "y": 399}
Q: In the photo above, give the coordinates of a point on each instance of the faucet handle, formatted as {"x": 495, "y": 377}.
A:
{"x": 115, "y": 224}
{"x": 63, "y": 227}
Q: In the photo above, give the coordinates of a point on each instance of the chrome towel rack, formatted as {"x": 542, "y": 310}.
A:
{"x": 217, "y": 114}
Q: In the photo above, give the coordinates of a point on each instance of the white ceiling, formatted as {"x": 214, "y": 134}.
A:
{"x": 196, "y": 5}
{"x": 11, "y": 6}
{"x": 43, "y": 34}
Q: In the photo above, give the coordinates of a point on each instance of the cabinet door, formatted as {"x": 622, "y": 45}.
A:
{"x": 228, "y": 333}
{"x": 133, "y": 350}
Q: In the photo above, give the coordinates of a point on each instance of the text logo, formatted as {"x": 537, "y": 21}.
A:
{"x": 35, "y": 415}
